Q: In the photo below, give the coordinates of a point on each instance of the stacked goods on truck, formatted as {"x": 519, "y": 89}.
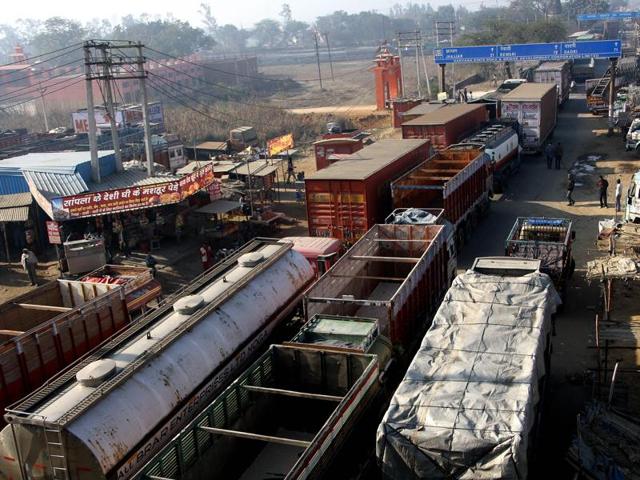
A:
{"x": 471, "y": 399}
{"x": 548, "y": 239}
{"x": 535, "y": 107}
{"x": 395, "y": 274}
{"x": 558, "y": 73}
{"x": 455, "y": 179}
{"x": 287, "y": 416}
{"x": 347, "y": 198}
{"x": 500, "y": 142}
{"x": 46, "y": 329}
{"x": 106, "y": 415}
{"x": 447, "y": 125}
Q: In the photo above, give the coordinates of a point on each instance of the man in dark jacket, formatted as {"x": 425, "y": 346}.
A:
{"x": 602, "y": 189}
{"x": 571, "y": 184}
{"x": 558, "y": 155}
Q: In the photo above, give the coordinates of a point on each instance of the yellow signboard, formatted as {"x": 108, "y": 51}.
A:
{"x": 280, "y": 144}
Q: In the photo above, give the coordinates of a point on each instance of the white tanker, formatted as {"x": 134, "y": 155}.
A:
{"x": 105, "y": 416}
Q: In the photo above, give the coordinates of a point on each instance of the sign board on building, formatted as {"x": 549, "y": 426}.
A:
{"x": 279, "y": 144}
{"x": 53, "y": 232}
{"x": 529, "y": 51}
{"x": 132, "y": 198}
{"x": 607, "y": 16}
{"x": 81, "y": 120}
{"x": 215, "y": 189}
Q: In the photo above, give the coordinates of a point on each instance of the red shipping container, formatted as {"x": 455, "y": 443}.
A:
{"x": 398, "y": 107}
{"x": 347, "y": 198}
{"x": 325, "y": 148}
{"x": 447, "y": 125}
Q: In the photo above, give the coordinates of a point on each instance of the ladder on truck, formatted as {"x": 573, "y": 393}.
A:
{"x": 55, "y": 451}
{"x": 600, "y": 90}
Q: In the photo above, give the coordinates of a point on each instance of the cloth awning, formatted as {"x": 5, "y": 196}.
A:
{"x": 15, "y": 214}
{"x": 218, "y": 206}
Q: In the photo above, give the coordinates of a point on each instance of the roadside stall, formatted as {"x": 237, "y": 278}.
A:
{"x": 219, "y": 220}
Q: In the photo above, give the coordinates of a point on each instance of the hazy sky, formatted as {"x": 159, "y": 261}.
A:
{"x": 238, "y": 12}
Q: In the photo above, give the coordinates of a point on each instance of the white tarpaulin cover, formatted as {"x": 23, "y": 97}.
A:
{"x": 468, "y": 401}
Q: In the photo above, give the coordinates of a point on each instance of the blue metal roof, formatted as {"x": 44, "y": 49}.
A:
{"x": 53, "y": 184}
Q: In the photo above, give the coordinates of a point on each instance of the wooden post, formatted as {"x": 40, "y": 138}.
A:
{"x": 6, "y": 242}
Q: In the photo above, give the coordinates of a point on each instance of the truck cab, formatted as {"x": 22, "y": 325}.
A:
{"x": 632, "y": 211}
{"x": 633, "y": 136}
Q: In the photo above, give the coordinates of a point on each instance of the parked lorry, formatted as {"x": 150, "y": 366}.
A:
{"x": 535, "y": 107}
{"x": 395, "y": 274}
{"x": 558, "y": 73}
{"x": 478, "y": 377}
{"x": 632, "y": 210}
{"x": 321, "y": 252}
{"x": 446, "y": 125}
{"x": 287, "y": 416}
{"x": 347, "y": 198}
{"x": 106, "y": 415}
{"x": 548, "y": 239}
{"x": 48, "y": 328}
{"x": 499, "y": 140}
{"x": 456, "y": 179}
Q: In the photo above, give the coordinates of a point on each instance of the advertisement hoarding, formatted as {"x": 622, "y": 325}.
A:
{"x": 279, "y": 144}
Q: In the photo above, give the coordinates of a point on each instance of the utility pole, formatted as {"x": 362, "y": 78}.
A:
{"x": 93, "y": 141}
{"x": 416, "y": 45}
{"x": 444, "y": 33}
{"x": 315, "y": 37}
{"x": 412, "y": 40}
{"x": 145, "y": 113}
{"x": 106, "y": 71}
{"x": 426, "y": 72}
{"x": 326, "y": 39}
{"x": 612, "y": 93}
{"x": 44, "y": 108}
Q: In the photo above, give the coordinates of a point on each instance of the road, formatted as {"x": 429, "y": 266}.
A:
{"x": 535, "y": 190}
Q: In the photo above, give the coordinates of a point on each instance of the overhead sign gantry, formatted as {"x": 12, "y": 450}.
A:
{"x": 529, "y": 51}
{"x": 607, "y": 16}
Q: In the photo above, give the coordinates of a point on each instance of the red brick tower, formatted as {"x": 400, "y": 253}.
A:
{"x": 388, "y": 77}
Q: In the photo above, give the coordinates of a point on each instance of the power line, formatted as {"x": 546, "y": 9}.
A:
{"x": 40, "y": 72}
{"x": 34, "y": 89}
{"x": 20, "y": 62}
{"x": 35, "y": 86}
{"x": 46, "y": 93}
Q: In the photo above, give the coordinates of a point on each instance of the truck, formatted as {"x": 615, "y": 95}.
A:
{"x": 242, "y": 137}
{"x": 456, "y": 179}
{"x": 48, "y": 328}
{"x": 105, "y": 416}
{"x": 558, "y": 73}
{"x": 480, "y": 375}
{"x": 446, "y": 125}
{"x": 321, "y": 252}
{"x": 348, "y": 197}
{"x": 548, "y": 239}
{"x": 535, "y": 107}
{"x": 632, "y": 209}
{"x": 395, "y": 274}
{"x": 500, "y": 142}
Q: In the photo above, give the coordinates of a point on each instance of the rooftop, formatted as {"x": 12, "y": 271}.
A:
{"x": 529, "y": 91}
{"x": 424, "y": 108}
{"x": 372, "y": 158}
{"x": 213, "y": 146}
{"x": 53, "y": 162}
{"x": 444, "y": 114}
{"x": 551, "y": 66}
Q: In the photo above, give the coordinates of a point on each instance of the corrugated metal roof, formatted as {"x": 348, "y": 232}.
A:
{"x": 15, "y": 214}
{"x": 129, "y": 178}
{"x": 56, "y": 184}
{"x": 444, "y": 114}
{"x": 218, "y": 206}
{"x": 258, "y": 168}
{"x": 370, "y": 159}
{"x": 16, "y": 200}
{"x": 222, "y": 146}
{"x": 53, "y": 162}
{"x": 529, "y": 92}
{"x": 218, "y": 166}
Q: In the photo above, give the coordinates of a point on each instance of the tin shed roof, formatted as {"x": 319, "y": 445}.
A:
{"x": 529, "y": 92}
{"x": 53, "y": 162}
{"x": 364, "y": 163}
{"x": 52, "y": 184}
{"x": 16, "y": 200}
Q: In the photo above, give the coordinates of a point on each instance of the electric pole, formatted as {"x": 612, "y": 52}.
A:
{"x": 315, "y": 37}
{"x": 91, "y": 114}
{"x": 106, "y": 71}
{"x": 145, "y": 113}
{"x": 44, "y": 108}
{"x": 326, "y": 39}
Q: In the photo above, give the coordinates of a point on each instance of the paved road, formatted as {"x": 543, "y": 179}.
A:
{"x": 538, "y": 191}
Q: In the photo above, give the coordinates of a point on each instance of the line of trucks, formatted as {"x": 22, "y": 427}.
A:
{"x": 179, "y": 392}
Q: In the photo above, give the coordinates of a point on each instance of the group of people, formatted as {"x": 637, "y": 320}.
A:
{"x": 553, "y": 154}
{"x": 603, "y": 186}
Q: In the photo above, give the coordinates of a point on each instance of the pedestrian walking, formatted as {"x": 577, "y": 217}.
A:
{"x": 571, "y": 184}
{"x": 29, "y": 262}
{"x": 558, "y": 155}
{"x": 290, "y": 170}
{"x": 549, "y": 154}
{"x": 603, "y": 185}
{"x": 151, "y": 263}
{"x": 204, "y": 257}
{"x": 618, "y": 195}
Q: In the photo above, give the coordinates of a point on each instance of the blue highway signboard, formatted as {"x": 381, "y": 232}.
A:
{"x": 607, "y": 16}
{"x": 529, "y": 51}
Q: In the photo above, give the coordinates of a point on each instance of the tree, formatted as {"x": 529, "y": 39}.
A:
{"x": 286, "y": 14}
{"x": 210, "y": 22}
{"x": 57, "y": 33}
{"x": 267, "y": 33}
{"x": 296, "y": 33}
{"x": 232, "y": 39}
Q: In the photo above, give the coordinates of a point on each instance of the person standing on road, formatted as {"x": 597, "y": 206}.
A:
{"x": 548, "y": 154}
{"x": 558, "y": 155}
{"x": 204, "y": 257}
{"x": 571, "y": 184}
{"x": 602, "y": 189}
{"x": 29, "y": 262}
{"x": 618, "y": 195}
